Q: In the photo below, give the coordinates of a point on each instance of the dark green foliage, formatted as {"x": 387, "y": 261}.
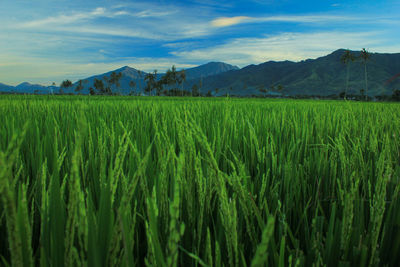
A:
{"x": 321, "y": 76}
{"x": 99, "y": 86}
{"x": 79, "y": 86}
{"x": 396, "y": 95}
{"x": 114, "y": 79}
{"x": 346, "y": 59}
{"x": 151, "y": 80}
{"x": 65, "y": 85}
{"x": 91, "y": 91}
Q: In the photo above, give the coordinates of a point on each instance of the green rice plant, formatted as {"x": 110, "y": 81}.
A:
{"x": 176, "y": 229}
{"x": 261, "y": 256}
{"x": 133, "y": 181}
{"x": 18, "y": 228}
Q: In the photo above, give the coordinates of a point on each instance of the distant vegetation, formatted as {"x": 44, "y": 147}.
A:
{"x": 367, "y": 75}
{"x": 135, "y": 181}
{"x": 171, "y": 84}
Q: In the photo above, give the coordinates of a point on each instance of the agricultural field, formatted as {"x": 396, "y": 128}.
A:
{"x": 133, "y": 181}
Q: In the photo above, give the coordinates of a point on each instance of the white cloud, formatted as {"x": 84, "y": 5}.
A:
{"x": 151, "y": 13}
{"x": 305, "y": 18}
{"x": 64, "y": 19}
{"x": 39, "y": 47}
{"x": 145, "y": 22}
{"x": 225, "y": 22}
{"x": 230, "y": 21}
{"x": 286, "y": 46}
{"x": 109, "y": 31}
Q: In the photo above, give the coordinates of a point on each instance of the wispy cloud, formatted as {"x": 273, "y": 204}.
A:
{"x": 99, "y": 12}
{"x": 66, "y": 19}
{"x": 225, "y": 22}
{"x": 146, "y": 23}
{"x": 230, "y": 21}
{"x": 52, "y": 40}
{"x": 286, "y": 46}
{"x": 304, "y": 18}
{"x": 151, "y": 13}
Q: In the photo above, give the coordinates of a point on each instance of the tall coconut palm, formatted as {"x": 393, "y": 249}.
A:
{"x": 151, "y": 81}
{"x": 155, "y": 80}
{"x": 174, "y": 77}
{"x": 115, "y": 78}
{"x": 181, "y": 79}
{"x": 79, "y": 86}
{"x": 99, "y": 86}
{"x": 107, "y": 86}
{"x": 168, "y": 80}
{"x": 365, "y": 55}
{"x": 65, "y": 84}
{"x": 346, "y": 58}
{"x": 140, "y": 76}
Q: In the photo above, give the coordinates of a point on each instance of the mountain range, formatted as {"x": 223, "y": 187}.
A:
{"x": 321, "y": 76}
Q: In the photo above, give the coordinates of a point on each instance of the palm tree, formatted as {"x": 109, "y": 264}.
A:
{"x": 79, "y": 86}
{"x": 181, "y": 79}
{"x": 272, "y": 88}
{"x": 114, "y": 79}
{"x": 155, "y": 85}
{"x": 107, "y": 86}
{"x": 53, "y": 84}
{"x": 65, "y": 84}
{"x": 262, "y": 90}
{"x": 174, "y": 79}
{"x": 346, "y": 58}
{"x": 99, "y": 86}
{"x": 151, "y": 81}
{"x": 365, "y": 55}
{"x": 91, "y": 91}
{"x": 168, "y": 79}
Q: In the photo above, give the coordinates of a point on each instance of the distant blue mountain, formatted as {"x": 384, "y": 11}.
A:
{"x": 321, "y": 76}
{"x": 6, "y": 88}
{"x": 209, "y": 69}
{"x": 35, "y": 88}
{"x": 27, "y": 88}
{"x": 130, "y": 75}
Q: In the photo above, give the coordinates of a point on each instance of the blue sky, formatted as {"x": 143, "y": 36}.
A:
{"x": 43, "y": 41}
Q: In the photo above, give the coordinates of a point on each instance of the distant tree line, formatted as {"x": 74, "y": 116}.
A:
{"x": 172, "y": 84}
{"x": 348, "y": 58}
{"x": 273, "y": 88}
{"x": 364, "y": 56}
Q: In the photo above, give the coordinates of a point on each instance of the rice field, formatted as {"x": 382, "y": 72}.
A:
{"x": 125, "y": 181}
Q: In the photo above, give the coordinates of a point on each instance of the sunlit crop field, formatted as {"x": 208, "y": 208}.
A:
{"x": 119, "y": 181}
